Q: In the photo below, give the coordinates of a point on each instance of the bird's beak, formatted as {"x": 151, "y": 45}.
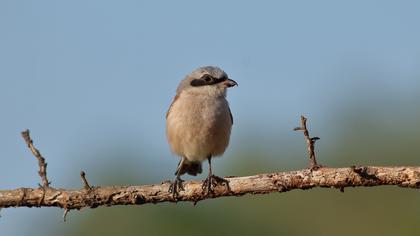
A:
{"x": 230, "y": 83}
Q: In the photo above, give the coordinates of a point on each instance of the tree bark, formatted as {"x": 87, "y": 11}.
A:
{"x": 408, "y": 177}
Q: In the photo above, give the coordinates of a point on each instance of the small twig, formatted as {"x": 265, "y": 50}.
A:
{"x": 66, "y": 211}
{"x": 85, "y": 182}
{"x": 41, "y": 161}
{"x": 310, "y": 143}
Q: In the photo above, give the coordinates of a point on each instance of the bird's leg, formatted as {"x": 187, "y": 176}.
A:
{"x": 212, "y": 181}
{"x": 177, "y": 185}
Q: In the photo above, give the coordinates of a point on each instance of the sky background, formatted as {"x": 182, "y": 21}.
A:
{"x": 92, "y": 80}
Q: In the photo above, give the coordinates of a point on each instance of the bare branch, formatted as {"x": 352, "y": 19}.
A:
{"x": 316, "y": 176}
{"x": 310, "y": 143}
{"x": 408, "y": 177}
{"x": 41, "y": 161}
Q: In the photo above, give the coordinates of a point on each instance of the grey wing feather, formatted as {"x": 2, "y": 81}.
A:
{"x": 231, "y": 117}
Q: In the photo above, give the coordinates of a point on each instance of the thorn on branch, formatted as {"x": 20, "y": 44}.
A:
{"x": 41, "y": 161}
{"x": 85, "y": 182}
{"x": 66, "y": 211}
{"x": 310, "y": 143}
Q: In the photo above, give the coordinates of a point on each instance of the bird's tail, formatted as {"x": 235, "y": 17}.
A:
{"x": 189, "y": 167}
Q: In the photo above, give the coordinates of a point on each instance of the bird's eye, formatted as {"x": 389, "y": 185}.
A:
{"x": 207, "y": 78}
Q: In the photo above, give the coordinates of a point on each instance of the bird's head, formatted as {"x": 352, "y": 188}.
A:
{"x": 209, "y": 81}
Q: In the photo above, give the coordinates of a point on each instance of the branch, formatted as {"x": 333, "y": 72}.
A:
{"x": 41, "y": 161}
{"x": 407, "y": 177}
{"x": 315, "y": 176}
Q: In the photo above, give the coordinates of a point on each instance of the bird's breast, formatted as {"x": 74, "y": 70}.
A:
{"x": 198, "y": 126}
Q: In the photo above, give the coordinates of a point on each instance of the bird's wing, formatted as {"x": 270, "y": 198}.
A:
{"x": 231, "y": 117}
{"x": 173, "y": 101}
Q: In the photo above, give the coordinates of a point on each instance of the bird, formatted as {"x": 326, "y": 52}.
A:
{"x": 199, "y": 123}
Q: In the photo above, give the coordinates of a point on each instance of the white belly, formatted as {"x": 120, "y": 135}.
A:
{"x": 198, "y": 127}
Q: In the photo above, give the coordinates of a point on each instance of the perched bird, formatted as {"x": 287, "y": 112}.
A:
{"x": 198, "y": 124}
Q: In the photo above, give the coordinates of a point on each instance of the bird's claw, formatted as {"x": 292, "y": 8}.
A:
{"x": 176, "y": 186}
{"x": 211, "y": 182}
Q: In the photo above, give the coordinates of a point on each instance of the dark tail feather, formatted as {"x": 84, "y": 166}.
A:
{"x": 191, "y": 168}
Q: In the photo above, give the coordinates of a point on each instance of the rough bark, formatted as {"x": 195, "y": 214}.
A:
{"x": 339, "y": 178}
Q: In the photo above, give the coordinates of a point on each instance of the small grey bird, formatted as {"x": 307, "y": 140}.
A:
{"x": 198, "y": 124}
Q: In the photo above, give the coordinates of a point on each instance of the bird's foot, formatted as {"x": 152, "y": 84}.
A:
{"x": 176, "y": 187}
{"x": 212, "y": 181}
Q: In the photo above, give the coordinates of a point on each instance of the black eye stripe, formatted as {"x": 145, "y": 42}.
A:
{"x": 219, "y": 80}
{"x": 197, "y": 82}
{"x": 207, "y": 80}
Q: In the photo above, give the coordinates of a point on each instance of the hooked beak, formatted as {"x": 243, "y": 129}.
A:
{"x": 230, "y": 83}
